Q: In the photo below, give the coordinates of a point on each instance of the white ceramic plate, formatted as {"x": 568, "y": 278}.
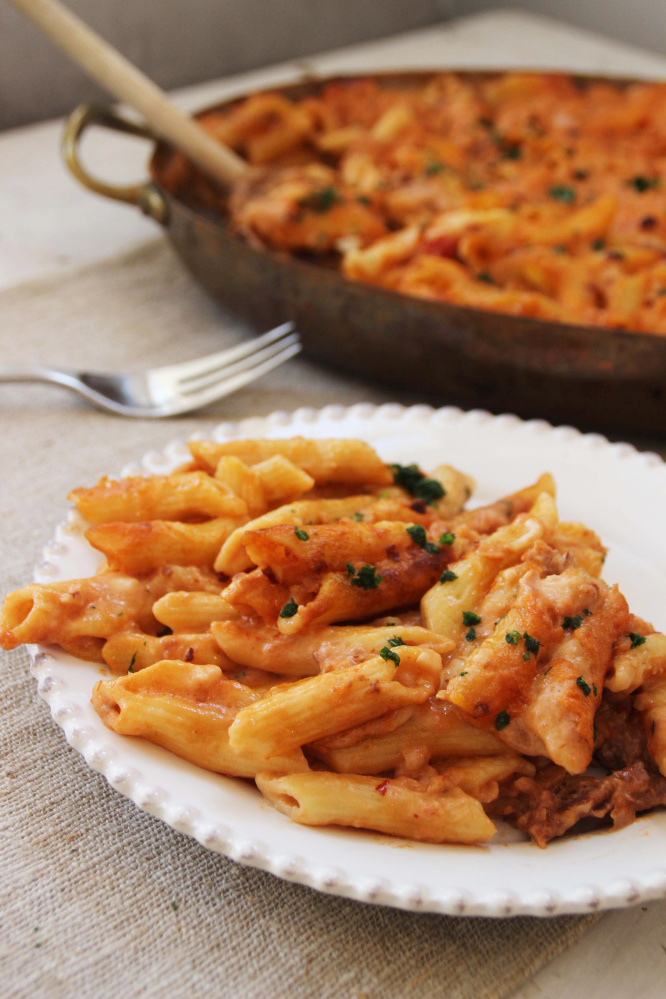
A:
{"x": 611, "y": 487}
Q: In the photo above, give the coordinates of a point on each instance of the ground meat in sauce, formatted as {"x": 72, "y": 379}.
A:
{"x": 552, "y": 802}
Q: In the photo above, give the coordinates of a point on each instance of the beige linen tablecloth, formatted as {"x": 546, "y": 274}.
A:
{"x": 97, "y": 898}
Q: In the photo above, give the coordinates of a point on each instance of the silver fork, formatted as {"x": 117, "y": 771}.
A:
{"x": 175, "y": 388}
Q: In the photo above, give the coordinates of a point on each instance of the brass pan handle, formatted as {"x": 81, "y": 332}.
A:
{"x": 145, "y": 196}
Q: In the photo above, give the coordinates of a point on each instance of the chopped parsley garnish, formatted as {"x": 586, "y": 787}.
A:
{"x": 502, "y": 720}
{"x": 563, "y": 193}
{"x": 433, "y": 168}
{"x": 387, "y": 654}
{"x": 512, "y": 637}
{"x": 469, "y": 618}
{"x": 447, "y": 538}
{"x": 464, "y": 673}
{"x": 130, "y": 668}
{"x": 363, "y": 199}
{"x": 418, "y": 535}
{"x": 447, "y": 576}
{"x": 301, "y": 535}
{"x": 289, "y": 609}
{"x": 643, "y": 184}
{"x": 174, "y": 906}
{"x": 413, "y": 481}
{"x": 471, "y": 635}
{"x": 526, "y": 655}
{"x": 598, "y": 244}
{"x": 320, "y": 201}
{"x": 485, "y": 276}
{"x": 531, "y": 644}
{"x": 510, "y": 150}
{"x": 594, "y": 689}
{"x": 636, "y": 640}
{"x": 585, "y": 687}
{"x": 358, "y": 516}
{"x": 367, "y": 577}
{"x": 575, "y": 622}
{"x": 395, "y": 642}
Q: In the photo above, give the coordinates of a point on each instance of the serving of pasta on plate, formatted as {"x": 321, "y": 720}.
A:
{"x": 362, "y": 644}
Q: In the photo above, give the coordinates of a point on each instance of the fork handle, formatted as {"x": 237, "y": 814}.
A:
{"x": 37, "y": 373}
{"x": 54, "y": 376}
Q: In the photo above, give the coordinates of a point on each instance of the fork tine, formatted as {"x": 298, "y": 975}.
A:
{"x": 214, "y": 377}
{"x": 228, "y": 385}
{"x": 202, "y": 365}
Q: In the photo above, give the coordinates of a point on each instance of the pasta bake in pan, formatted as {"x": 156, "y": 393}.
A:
{"x": 365, "y": 647}
{"x": 533, "y": 194}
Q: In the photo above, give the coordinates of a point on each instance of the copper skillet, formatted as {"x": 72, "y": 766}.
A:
{"x": 446, "y": 353}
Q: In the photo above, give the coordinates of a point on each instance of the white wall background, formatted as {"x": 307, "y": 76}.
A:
{"x": 185, "y": 41}
{"x": 640, "y": 22}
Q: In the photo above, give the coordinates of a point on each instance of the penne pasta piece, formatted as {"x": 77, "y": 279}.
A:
{"x": 192, "y": 495}
{"x": 632, "y": 666}
{"x": 182, "y": 610}
{"x": 445, "y": 605}
{"x": 434, "y": 730}
{"x": 581, "y": 543}
{"x": 64, "y": 613}
{"x": 350, "y": 461}
{"x": 315, "y": 650}
{"x": 187, "y": 709}
{"x": 282, "y": 480}
{"x": 651, "y": 704}
{"x": 244, "y": 482}
{"x": 139, "y": 548}
{"x": 457, "y": 487}
{"x": 233, "y": 557}
{"x": 134, "y": 650}
{"x": 298, "y": 713}
{"x": 345, "y": 571}
{"x": 387, "y": 806}
{"x": 480, "y": 776}
{"x": 486, "y": 519}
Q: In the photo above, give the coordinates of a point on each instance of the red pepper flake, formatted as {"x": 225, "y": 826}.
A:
{"x": 648, "y": 222}
{"x": 189, "y": 655}
{"x": 383, "y": 787}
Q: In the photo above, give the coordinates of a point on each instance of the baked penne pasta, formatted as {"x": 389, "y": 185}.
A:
{"x": 139, "y": 548}
{"x": 134, "y": 650}
{"x": 444, "y": 606}
{"x": 183, "y": 610}
{"x": 387, "y": 806}
{"x": 426, "y": 660}
{"x": 480, "y": 776}
{"x": 298, "y": 713}
{"x": 430, "y": 731}
{"x": 350, "y": 461}
{"x": 636, "y": 661}
{"x": 82, "y": 608}
{"x": 233, "y": 557}
{"x": 281, "y": 479}
{"x": 187, "y": 709}
{"x": 318, "y": 649}
{"x": 188, "y": 496}
{"x": 391, "y": 567}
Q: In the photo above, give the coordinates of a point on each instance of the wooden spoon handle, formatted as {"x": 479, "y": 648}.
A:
{"x": 117, "y": 75}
